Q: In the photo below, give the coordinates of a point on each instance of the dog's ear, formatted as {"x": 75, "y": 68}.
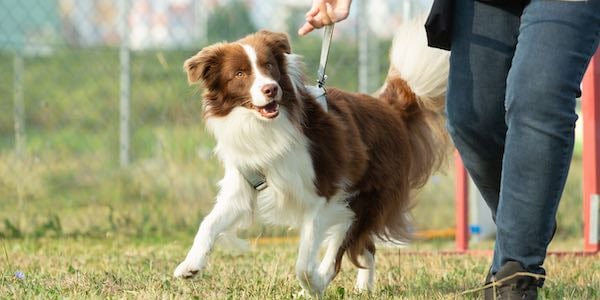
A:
{"x": 276, "y": 40}
{"x": 204, "y": 65}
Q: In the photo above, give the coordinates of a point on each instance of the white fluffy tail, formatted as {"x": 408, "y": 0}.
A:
{"x": 416, "y": 87}
{"x": 424, "y": 69}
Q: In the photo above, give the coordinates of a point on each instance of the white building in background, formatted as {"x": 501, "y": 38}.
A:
{"x": 152, "y": 23}
{"x": 161, "y": 23}
{"x": 175, "y": 23}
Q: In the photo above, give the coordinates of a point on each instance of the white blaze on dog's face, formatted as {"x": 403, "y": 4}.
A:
{"x": 265, "y": 91}
{"x": 247, "y": 74}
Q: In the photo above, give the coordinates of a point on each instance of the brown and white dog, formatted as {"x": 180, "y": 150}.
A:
{"x": 342, "y": 177}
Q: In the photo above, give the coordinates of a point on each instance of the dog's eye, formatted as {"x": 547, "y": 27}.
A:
{"x": 239, "y": 74}
{"x": 269, "y": 66}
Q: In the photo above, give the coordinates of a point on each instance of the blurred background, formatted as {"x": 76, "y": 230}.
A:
{"x": 100, "y": 134}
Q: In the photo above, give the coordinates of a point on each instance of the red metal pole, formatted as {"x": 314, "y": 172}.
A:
{"x": 591, "y": 154}
{"x": 462, "y": 205}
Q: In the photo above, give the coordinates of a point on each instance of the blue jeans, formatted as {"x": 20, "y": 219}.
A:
{"x": 514, "y": 78}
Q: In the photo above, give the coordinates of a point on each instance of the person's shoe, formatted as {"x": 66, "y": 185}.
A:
{"x": 507, "y": 270}
{"x": 510, "y": 286}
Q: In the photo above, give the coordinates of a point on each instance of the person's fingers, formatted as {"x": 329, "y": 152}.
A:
{"x": 312, "y": 12}
{"x": 330, "y": 12}
{"x": 305, "y": 29}
{"x": 315, "y": 22}
{"x": 324, "y": 15}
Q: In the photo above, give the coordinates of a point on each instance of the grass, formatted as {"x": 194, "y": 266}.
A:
{"x": 113, "y": 267}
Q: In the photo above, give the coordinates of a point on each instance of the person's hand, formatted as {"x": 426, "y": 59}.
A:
{"x": 325, "y": 12}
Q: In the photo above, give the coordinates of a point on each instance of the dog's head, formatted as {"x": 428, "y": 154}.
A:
{"x": 249, "y": 73}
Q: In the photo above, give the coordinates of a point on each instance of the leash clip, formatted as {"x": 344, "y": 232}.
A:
{"x": 327, "y": 35}
{"x": 321, "y": 97}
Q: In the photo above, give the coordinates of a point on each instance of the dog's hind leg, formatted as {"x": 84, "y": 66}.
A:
{"x": 366, "y": 275}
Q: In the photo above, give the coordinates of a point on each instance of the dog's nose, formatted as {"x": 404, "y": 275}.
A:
{"x": 269, "y": 90}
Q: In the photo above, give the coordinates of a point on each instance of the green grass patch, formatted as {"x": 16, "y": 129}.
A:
{"x": 141, "y": 269}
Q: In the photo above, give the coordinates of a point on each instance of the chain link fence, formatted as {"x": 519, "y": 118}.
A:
{"x": 99, "y": 132}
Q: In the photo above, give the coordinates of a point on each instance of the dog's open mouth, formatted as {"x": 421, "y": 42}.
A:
{"x": 268, "y": 111}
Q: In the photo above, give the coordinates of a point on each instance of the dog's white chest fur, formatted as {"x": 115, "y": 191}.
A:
{"x": 290, "y": 190}
{"x": 278, "y": 150}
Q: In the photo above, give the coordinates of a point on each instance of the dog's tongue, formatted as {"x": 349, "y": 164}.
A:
{"x": 270, "y": 110}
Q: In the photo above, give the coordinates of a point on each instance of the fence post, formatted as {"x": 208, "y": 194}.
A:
{"x": 125, "y": 83}
{"x": 19, "y": 105}
{"x": 591, "y": 154}
{"x": 200, "y": 22}
{"x": 462, "y": 206}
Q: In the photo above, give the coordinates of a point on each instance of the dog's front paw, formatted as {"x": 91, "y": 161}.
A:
{"x": 187, "y": 269}
{"x": 312, "y": 284}
{"x": 301, "y": 295}
{"x": 307, "y": 295}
